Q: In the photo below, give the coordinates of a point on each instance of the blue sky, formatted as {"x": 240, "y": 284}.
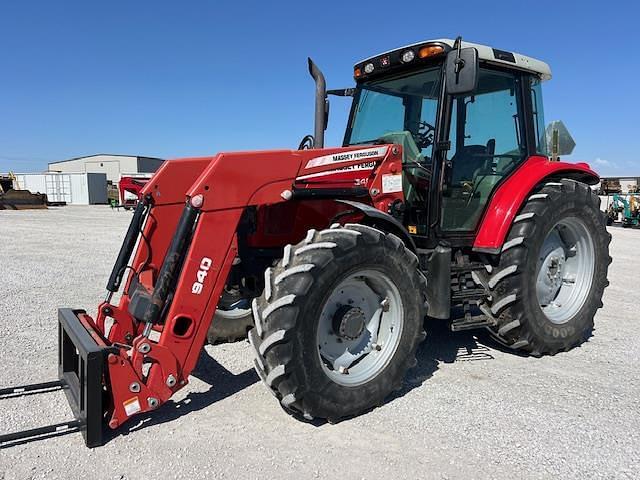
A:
{"x": 174, "y": 79}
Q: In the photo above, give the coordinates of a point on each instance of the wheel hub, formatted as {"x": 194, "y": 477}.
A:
{"x": 349, "y": 322}
{"x": 552, "y": 270}
{"x": 566, "y": 266}
{"x": 360, "y": 327}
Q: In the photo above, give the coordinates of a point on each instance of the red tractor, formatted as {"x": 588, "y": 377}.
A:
{"x": 130, "y": 188}
{"x": 443, "y": 202}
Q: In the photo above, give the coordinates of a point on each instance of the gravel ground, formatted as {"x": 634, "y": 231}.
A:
{"x": 468, "y": 410}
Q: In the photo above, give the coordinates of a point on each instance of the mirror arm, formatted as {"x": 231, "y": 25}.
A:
{"x": 342, "y": 92}
{"x": 555, "y": 145}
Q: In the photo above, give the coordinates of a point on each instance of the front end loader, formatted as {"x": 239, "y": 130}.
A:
{"x": 442, "y": 202}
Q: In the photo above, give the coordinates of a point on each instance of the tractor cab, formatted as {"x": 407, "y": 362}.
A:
{"x": 466, "y": 115}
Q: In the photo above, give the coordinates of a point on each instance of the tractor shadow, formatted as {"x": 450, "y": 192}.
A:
{"x": 441, "y": 346}
{"x": 444, "y": 346}
{"x": 222, "y": 384}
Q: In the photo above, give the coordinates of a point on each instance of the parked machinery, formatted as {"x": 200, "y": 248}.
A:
{"x": 12, "y": 198}
{"x": 609, "y": 186}
{"x": 633, "y": 217}
{"x": 627, "y": 208}
{"x": 130, "y": 188}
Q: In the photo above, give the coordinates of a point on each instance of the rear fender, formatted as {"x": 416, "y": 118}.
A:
{"x": 513, "y": 192}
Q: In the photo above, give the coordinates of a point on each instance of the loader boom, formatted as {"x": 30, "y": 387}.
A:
{"x": 186, "y": 233}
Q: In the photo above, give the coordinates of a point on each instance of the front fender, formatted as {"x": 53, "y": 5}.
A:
{"x": 513, "y": 192}
{"x": 383, "y": 221}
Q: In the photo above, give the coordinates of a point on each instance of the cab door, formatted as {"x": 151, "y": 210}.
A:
{"x": 488, "y": 141}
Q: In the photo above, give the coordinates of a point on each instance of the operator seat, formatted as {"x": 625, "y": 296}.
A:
{"x": 471, "y": 159}
{"x": 471, "y": 179}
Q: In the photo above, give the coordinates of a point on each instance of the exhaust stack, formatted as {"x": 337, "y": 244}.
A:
{"x": 322, "y": 105}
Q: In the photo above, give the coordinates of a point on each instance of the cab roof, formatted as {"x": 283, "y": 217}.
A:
{"x": 485, "y": 53}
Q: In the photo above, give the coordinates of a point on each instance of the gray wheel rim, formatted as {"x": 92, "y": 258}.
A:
{"x": 356, "y": 361}
{"x": 234, "y": 313}
{"x": 566, "y": 267}
{"x": 234, "y": 310}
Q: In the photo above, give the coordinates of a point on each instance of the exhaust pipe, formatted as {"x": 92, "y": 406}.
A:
{"x": 322, "y": 105}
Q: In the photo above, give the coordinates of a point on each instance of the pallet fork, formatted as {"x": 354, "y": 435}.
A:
{"x": 81, "y": 360}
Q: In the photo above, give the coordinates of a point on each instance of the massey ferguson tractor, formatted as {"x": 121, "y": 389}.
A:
{"x": 442, "y": 202}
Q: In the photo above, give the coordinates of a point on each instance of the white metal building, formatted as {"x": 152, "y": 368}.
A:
{"x": 72, "y": 188}
{"x": 113, "y": 166}
{"x": 629, "y": 184}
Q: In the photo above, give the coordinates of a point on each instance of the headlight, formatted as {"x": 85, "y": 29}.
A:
{"x": 368, "y": 68}
{"x": 408, "y": 56}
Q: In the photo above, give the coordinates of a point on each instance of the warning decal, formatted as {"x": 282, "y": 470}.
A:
{"x": 131, "y": 406}
{"x": 391, "y": 183}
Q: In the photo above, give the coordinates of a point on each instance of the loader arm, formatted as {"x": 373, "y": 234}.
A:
{"x": 175, "y": 259}
{"x": 187, "y": 249}
{"x": 180, "y": 266}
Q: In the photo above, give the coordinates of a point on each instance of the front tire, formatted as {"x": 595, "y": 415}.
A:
{"x": 547, "y": 283}
{"x": 233, "y": 317}
{"x": 339, "y": 321}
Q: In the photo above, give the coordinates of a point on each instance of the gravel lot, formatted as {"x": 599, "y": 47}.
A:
{"x": 468, "y": 410}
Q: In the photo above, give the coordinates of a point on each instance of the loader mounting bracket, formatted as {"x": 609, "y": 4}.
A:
{"x": 81, "y": 365}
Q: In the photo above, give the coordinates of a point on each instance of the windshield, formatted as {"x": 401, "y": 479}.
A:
{"x": 406, "y": 103}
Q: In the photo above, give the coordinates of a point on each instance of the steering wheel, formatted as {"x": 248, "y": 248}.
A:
{"x": 307, "y": 142}
{"x": 424, "y": 137}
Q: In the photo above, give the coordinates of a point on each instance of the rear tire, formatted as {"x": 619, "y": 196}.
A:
{"x": 288, "y": 337}
{"x": 537, "y": 262}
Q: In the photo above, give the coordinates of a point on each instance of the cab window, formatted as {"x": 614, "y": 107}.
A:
{"x": 487, "y": 143}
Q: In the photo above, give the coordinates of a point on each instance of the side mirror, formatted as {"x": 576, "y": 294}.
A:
{"x": 559, "y": 140}
{"x": 461, "y": 71}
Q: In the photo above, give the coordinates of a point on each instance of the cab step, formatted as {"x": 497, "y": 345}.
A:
{"x": 471, "y": 322}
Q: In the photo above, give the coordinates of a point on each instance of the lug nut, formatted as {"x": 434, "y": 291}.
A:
{"x": 376, "y": 347}
{"x": 134, "y": 387}
{"x": 385, "y": 304}
{"x": 343, "y": 370}
{"x": 152, "y": 402}
{"x": 171, "y": 381}
{"x": 144, "y": 348}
